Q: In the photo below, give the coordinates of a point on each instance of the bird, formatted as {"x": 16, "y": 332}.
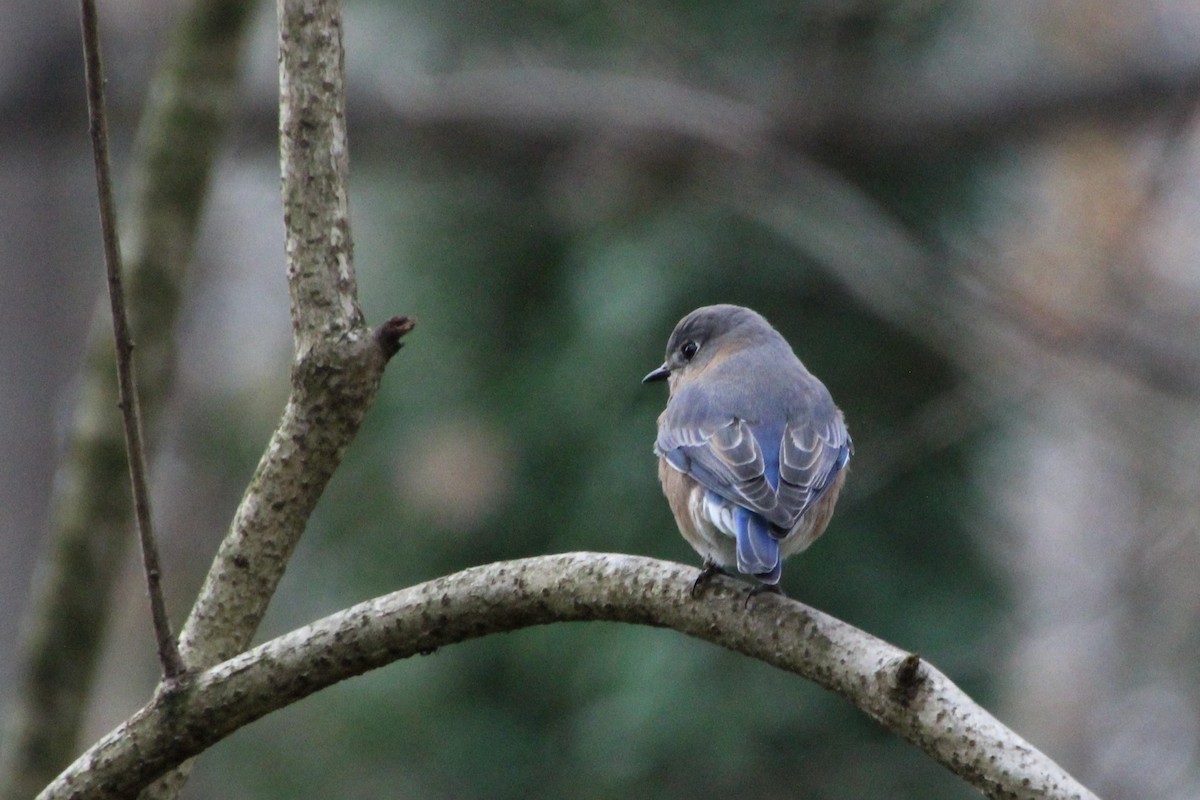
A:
{"x": 752, "y": 452}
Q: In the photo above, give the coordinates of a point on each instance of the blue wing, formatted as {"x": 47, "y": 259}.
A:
{"x": 811, "y": 455}
{"x": 778, "y": 471}
{"x": 727, "y": 459}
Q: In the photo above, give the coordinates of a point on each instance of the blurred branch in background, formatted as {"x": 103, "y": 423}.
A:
{"x": 886, "y": 117}
{"x": 1143, "y": 341}
{"x": 189, "y": 109}
{"x": 909, "y": 279}
{"x": 857, "y": 119}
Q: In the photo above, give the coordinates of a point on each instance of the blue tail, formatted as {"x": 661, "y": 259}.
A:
{"x": 757, "y": 549}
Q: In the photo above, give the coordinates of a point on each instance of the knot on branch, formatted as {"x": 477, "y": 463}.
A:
{"x": 336, "y": 379}
{"x": 338, "y": 373}
{"x": 389, "y": 334}
{"x": 905, "y": 679}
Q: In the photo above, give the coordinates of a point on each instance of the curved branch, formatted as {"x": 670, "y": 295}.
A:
{"x": 905, "y": 694}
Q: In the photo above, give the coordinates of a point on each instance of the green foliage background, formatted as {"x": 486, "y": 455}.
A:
{"x": 515, "y": 424}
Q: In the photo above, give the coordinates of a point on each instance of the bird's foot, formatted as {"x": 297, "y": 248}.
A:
{"x": 763, "y": 588}
{"x": 706, "y": 574}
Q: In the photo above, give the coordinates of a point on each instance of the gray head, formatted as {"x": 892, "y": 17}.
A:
{"x": 710, "y": 330}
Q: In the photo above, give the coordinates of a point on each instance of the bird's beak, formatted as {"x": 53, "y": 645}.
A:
{"x": 659, "y": 374}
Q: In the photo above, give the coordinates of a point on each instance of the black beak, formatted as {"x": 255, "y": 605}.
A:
{"x": 659, "y": 374}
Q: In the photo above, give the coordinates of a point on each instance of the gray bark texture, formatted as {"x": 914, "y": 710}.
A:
{"x": 338, "y": 360}
{"x": 904, "y": 694}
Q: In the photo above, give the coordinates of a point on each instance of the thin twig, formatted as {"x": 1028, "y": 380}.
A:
{"x": 168, "y": 652}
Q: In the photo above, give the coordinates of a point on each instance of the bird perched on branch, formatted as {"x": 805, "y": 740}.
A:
{"x": 752, "y": 451}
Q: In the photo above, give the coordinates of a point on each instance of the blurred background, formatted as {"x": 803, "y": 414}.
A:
{"x": 975, "y": 221}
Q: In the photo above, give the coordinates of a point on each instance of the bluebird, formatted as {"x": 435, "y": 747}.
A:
{"x": 752, "y": 451}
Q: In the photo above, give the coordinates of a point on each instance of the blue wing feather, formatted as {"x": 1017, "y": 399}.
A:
{"x": 757, "y": 549}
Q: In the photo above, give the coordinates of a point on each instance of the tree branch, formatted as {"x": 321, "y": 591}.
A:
{"x": 332, "y": 389}
{"x": 315, "y": 162}
{"x": 338, "y": 360}
{"x": 131, "y": 412}
{"x": 906, "y": 695}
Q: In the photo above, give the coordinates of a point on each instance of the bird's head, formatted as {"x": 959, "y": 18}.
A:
{"x": 707, "y": 334}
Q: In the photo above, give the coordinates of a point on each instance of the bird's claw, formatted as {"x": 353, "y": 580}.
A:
{"x": 763, "y": 588}
{"x": 706, "y": 574}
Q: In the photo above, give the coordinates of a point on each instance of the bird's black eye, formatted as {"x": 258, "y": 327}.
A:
{"x": 688, "y": 349}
